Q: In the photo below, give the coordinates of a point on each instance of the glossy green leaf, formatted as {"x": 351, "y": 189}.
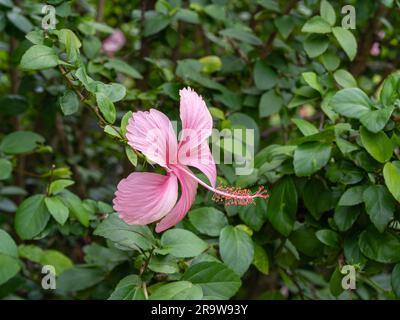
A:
{"x": 310, "y": 157}
{"x": 346, "y": 40}
{"x": 208, "y": 220}
{"x": 378, "y": 145}
{"x": 282, "y": 206}
{"x": 31, "y": 217}
{"x": 351, "y": 103}
{"x": 380, "y": 206}
{"x": 39, "y": 57}
{"x": 236, "y": 249}
{"x": 216, "y": 279}
{"x": 380, "y": 247}
{"x": 182, "y": 243}
{"x": 391, "y": 173}
{"x": 180, "y": 290}
{"x": 20, "y": 142}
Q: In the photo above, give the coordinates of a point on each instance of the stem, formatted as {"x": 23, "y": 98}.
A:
{"x": 142, "y": 270}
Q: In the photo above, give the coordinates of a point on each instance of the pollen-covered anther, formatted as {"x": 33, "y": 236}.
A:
{"x": 238, "y": 196}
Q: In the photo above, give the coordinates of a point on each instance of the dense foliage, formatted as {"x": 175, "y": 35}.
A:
{"x": 323, "y": 101}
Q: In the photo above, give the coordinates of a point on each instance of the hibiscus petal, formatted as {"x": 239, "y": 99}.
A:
{"x": 196, "y": 119}
{"x": 143, "y": 198}
{"x": 152, "y": 133}
{"x": 188, "y": 194}
{"x": 200, "y": 158}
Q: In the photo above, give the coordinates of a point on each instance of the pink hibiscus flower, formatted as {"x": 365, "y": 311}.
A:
{"x": 113, "y": 43}
{"x": 143, "y": 198}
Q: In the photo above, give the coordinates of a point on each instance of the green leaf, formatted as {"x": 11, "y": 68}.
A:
{"x": 306, "y": 242}
{"x": 39, "y": 57}
{"x": 381, "y": 247}
{"x": 315, "y": 45}
{"x": 6, "y": 3}
{"x": 131, "y": 154}
{"x": 75, "y": 207}
{"x": 217, "y": 113}
{"x": 208, "y": 220}
{"x": 312, "y": 80}
{"x": 69, "y": 102}
{"x": 328, "y": 12}
{"x": 352, "y": 196}
{"x": 391, "y": 173}
{"x": 112, "y": 131}
{"x": 58, "y": 185}
{"x": 345, "y": 79}
{"x": 396, "y": 280}
{"x": 328, "y": 237}
{"x": 260, "y": 260}
{"x": 344, "y": 172}
{"x": 12, "y": 104}
{"x": 5, "y": 169}
{"x": 106, "y": 107}
{"x": 282, "y": 206}
{"x": 376, "y": 120}
{"x": 166, "y": 264}
{"x": 335, "y": 283}
{"x": 352, "y": 251}
{"x": 270, "y": 103}
{"x": 390, "y": 90}
{"x": 351, "y": 103}
{"x": 30, "y": 252}
{"x": 20, "y": 142}
{"x": 271, "y": 5}
{"x": 10, "y": 266}
{"x": 255, "y": 215}
{"x": 310, "y": 157}
{"x": 346, "y": 40}
{"x": 182, "y": 243}
{"x": 7, "y": 245}
{"x": 155, "y": 24}
{"x": 316, "y": 25}
{"x": 104, "y": 257}
{"x": 378, "y": 145}
{"x": 129, "y": 288}
{"x": 71, "y": 42}
{"x": 241, "y": 35}
{"x": 124, "y": 68}
{"x": 379, "y": 205}
{"x": 114, "y": 91}
{"x": 57, "y": 209}
{"x": 124, "y": 122}
{"x": 130, "y": 236}
{"x": 345, "y": 217}
{"x": 56, "y": 259}
{"x": 216, "y": 279}
{"x": 210, "y": 64}
{"x": 78, "y": 278}
{"x": 188, "y": 16}
{"x": 31, "y": 217}
{"x": 264, "y": 77}
{"x": 305, "y": 127}
{"x": 285, "y": 25}
{"x": 330, "y": 61}
{"x": 324, "y": 202}
{"x": 236, "y": 249}
{"x": 19, "y": 21}
{"x": 179, "y": 290}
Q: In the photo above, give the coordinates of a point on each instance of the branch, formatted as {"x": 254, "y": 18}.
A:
{"x": 366, "y": 42}
{"x": 268, "y": 45}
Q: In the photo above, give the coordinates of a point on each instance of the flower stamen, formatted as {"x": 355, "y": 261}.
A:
{"x": 231, "y": 195}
